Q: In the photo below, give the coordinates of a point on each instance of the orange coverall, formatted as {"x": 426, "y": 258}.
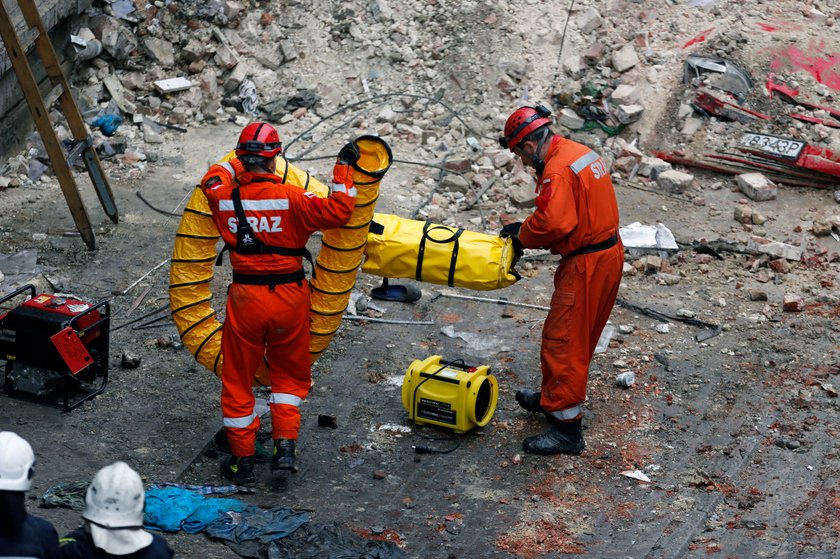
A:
{"x": 270, "y": 321}
{"x": 576, "y": 208}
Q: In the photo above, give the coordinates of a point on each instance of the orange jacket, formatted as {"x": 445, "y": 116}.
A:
{"x": 280, "y": 215}
{"x": 225, "y": 172}
{"x": 576, "y": 206}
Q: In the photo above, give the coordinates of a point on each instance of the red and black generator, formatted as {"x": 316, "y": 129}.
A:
{"x": 55, "y": 348}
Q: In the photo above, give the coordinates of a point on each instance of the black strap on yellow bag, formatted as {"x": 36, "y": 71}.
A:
{"x": 427, "y": 229}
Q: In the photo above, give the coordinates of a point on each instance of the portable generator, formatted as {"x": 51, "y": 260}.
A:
{"x": 55, "y": 348}
{"x": 449, "y": 394}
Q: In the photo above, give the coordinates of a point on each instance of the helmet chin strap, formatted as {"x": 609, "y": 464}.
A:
{"x": 537, "y": 160}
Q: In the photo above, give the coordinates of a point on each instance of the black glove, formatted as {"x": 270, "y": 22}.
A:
{"x": 349, "y": 154}
{"x": 511, "y": 229}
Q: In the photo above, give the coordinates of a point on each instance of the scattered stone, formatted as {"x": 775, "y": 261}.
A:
{"x": 793, "y": 303}
{"x": 821, "y": 227}
{"x": 522, "y": 195}
{"x": 648, "y": 264}
{"x": 595, "y": 53}
{"x": 626, "y": 329}
{"x": 458, "y": 164}
{"x": 757, "y": 187}
{"x": 455, "y": 183}
{"x": 625, "y": 58}
{"x": 653, "y": 166}
{"x": 628, "y": 114}
{"x": 589, "y": 20}
{"x": 674, "y": 182}
{"x": 774, "y": 248}
{"x": 570, "y": 119}
{"x": 130, "y": 360}
{"x": 625, "y": 94}
{"x": 160, "y": 50}
{"x": 743, "y": 213}
{"x": 668, "y": 279}
{"x": 691, "y": 126}
{"x": 780, "y": 266}
{"x": 379, "y": 474}
{"x": 662, "y": 327}
{"x": 574, "y": 66}
{"x": 625, "y": 379}
{"x": 757, "y": 294}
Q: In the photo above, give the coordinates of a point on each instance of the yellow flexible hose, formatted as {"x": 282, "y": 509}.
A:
{"x": 191, "y": 272}
{"x": 342, "y": 249}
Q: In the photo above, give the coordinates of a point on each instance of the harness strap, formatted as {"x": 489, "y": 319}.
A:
{"x": 597, "y": 247}
{"x": 248, "y": 243}
{"x": 268, "y": 279}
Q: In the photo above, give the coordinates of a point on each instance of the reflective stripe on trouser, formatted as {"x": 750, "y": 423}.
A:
{"x": 285, "y": 415}
{"x": 585, "y": 288}
{"x": 271, "y": 323}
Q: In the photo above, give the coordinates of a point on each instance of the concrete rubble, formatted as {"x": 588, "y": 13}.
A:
{"x": 742, "y": 249}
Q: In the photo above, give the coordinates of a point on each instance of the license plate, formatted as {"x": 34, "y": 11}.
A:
{"x": 774, "y": 145}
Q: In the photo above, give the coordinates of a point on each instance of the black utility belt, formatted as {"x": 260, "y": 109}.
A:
{"x": 597, "y": 247}
{"x": 268, "y": 279}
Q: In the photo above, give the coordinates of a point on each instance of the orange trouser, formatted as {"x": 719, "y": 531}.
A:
{"x": 271, "y": 323}
{"x": 585, "y": 288}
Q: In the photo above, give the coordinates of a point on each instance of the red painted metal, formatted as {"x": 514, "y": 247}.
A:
{"x": 815, "y": 120}
{"x": 716, "y": 104}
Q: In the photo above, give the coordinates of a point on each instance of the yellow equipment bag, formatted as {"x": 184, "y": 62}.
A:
{"x": 406, "y": 248}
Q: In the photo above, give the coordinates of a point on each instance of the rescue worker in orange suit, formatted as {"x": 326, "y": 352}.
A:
{"x": 265, "y": 225}
{"x": 576, "y": 216}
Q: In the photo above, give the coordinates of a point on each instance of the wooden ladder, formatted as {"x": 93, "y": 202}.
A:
{"x": 82, "y": 144}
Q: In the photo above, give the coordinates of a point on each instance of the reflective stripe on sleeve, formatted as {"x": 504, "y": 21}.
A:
{"x": 568, "y": 413}
{"x": 341, "y": 187}
{"x": 583, "y": 162}
{"x": 239, "y": 422}
{"x": 256, "y": 205}
{"x": 288, "y": 399}
{"x": 229, "y": 168}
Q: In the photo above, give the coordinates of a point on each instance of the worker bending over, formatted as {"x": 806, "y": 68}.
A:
{"x": 576, "y": 216}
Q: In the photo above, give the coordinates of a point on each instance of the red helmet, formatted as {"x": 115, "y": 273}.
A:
{"x": 259, "y": 138}
{"x": 522, "y": 122}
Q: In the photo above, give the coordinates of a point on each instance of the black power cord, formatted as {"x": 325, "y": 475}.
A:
{"x": 422, "y": 448}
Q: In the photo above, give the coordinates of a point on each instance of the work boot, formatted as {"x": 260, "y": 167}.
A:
{"x": 285, "y": 451}
{"x": 529, "y": 400}
{"x": 239, "y": 469}
{"x": 561, "y": 438}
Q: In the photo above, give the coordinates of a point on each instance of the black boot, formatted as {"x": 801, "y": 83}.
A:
{"x": 561, "y": 438}
{"x": 529, "y": 400}
{"x": 239, "y": 469}
{"x": 285, "y": 452}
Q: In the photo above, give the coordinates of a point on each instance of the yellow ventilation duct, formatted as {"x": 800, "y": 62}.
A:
{"x": 342, "y": 249}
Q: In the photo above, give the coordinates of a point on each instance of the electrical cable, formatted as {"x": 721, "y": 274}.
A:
{"x": 455, "y": 113}
{"x": 425, "y": 449}
{"x": 560, "y": 51}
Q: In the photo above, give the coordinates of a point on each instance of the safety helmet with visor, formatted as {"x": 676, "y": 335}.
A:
{"x": 259, "y": 139}
{"x": 17, "y": 462}
{"x": 522, "y": 122}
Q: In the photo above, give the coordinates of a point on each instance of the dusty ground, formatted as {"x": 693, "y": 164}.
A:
{"x": 737, "y": 433}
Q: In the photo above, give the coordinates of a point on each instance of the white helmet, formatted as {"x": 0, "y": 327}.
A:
{"x": 114, "y": 507}
{"x": 16, "y": 463}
